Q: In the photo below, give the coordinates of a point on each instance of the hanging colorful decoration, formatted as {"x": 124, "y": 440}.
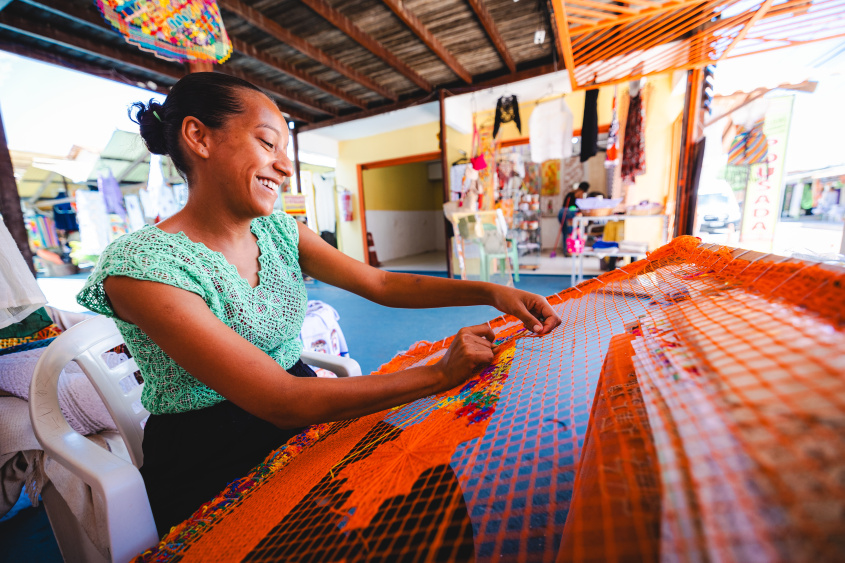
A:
{"x": 174, "y": 30}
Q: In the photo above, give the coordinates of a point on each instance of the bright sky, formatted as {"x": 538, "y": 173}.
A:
{"x": 48, "y": 109}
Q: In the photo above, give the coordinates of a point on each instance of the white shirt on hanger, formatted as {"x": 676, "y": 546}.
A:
{"x": 550, "y": 127}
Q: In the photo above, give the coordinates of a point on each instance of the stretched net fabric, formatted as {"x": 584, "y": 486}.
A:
{"x": 690, "y": 407}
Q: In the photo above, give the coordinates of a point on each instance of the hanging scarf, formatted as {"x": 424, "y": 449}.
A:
{"x": 633, "y": 150}
{"x": 749, "y": 146}
{"x": 590, "y": 125}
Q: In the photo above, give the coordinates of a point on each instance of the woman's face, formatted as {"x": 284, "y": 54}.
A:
{"x": 249, "y": 161}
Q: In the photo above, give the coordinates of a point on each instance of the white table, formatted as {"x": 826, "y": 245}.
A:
{"x": 577, "y": 272}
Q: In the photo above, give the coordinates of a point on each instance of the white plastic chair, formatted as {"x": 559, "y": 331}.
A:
{"x": 130, "y": 528}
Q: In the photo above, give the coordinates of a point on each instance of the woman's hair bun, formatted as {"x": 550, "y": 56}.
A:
{"x": 150, "y": 119}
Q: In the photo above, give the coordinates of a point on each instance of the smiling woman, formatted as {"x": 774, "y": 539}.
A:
{"x": 211, "y": 300}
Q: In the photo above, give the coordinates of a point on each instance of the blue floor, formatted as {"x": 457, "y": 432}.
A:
{"x": 374, "y": 335}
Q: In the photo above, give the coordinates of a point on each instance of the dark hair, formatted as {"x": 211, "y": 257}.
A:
{"x": 584, "y": 186}
{"x": 211, "y": 97}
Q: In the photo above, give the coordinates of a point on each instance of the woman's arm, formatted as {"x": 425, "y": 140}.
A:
{"x": 183, "y": 326}
{"x": 320, "y": 260}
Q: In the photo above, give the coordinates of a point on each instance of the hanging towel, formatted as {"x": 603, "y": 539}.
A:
{"x": 633, "y": 151}
{"x": 507, "y": 109}
{"x": 550, "y": 131}
{"x": 108, "y": 185}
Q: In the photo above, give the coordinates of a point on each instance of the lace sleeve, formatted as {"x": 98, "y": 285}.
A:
{"x": 144, "y": 255}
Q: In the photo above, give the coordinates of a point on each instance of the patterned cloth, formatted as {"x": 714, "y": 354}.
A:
{"x": 749, "y": 146}
{"x": 633, "y": 149}
{"x": 269, "y": 315}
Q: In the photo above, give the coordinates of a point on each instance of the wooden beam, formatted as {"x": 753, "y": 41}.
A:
{"x": 296, "y": 164}
{"x": 453, "y": 90}
{"x": 492, "y": 32}
{"x": 348, "y": 27}
{"x": 421, "y": 31}
{"x": 270, "y": 27}
{"x": 562, "y": 26}
{"x": 444, "y": 166}
{"x": 50, "y": 34}
{"x": 10, "y": 201}
{"x": 285, "y": 94}
{"x": 378, "y": 110}
{"x": 281, "y": 94}
{"x": 684, "y": 198}
{"x": 276, "y": 63}
{"x": 761, "y": 11}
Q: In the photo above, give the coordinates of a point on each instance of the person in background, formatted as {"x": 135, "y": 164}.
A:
{"x": 566, "y": 214}
{"x": 211, "y": 302}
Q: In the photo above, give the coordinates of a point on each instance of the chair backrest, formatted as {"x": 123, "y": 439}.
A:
{"x": 85, "y": 343}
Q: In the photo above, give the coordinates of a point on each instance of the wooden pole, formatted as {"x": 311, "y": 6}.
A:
{"x": 684, "y": 195}
{"x": 296, "y": 159}
{"x": 444, "y": 165}
{"x": 10, "y": 201}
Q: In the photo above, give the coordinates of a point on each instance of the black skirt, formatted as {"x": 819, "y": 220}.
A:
{"x": 190, "y": 457}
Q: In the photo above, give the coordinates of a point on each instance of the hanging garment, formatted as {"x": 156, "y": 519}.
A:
{"x": 612, "y": 138}
{"x": 109, "y": 187}
{"x": 551, "y": 177}
{"x": 324, "y": 190}
{"x": 507, "y": 110}
{"x": 572, "y": 173}
{"x": 19, "y": 293}
{"x": 550, "y": 131}
{"x": 64, "y": 216}
{"x": 633, "y": 150}
{"x": 590, "y": 126}
{"x": 749, "y": 146}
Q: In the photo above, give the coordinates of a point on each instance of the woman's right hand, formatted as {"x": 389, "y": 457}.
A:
{"x": 471, "y": 348}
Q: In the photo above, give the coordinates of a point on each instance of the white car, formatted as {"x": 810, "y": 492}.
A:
{"x": 717, "y": 207}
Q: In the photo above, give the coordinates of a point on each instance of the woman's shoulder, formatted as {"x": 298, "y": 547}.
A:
{"x": 148, "y": 254}
{"x": 281, "y": 225}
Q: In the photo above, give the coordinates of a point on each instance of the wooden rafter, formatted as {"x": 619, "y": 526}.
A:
{"x": 492, "y": 32}
{"x": 269, "y": 26}
{"x": 52, "y": 35}
{"x": 761, "y": 11}
{"x": 347, "y": 26}
{"x": 276, "y": 63}
{"x": 432, "y": 42}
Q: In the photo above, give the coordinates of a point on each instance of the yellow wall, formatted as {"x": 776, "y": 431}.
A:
{"x": 405, "y": 187}
{"x": 394, "y": 144}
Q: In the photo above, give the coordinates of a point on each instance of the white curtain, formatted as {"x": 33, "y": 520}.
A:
{"x": 19, "y": 293}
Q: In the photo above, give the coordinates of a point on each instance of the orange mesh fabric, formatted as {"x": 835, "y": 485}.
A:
{"x": 615, "y": 511}
{"x": 738, "y": 364}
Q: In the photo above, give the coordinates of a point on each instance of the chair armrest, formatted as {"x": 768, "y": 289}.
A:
{"x": 129, "y": 520}
{"x": 340, "y": 366}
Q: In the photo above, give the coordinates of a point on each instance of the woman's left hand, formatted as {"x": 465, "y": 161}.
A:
{"x": 533, "y": 310}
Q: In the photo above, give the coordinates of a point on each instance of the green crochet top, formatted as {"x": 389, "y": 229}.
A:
{"x": 269, "y": 315}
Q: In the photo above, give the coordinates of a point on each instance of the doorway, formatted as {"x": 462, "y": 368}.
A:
{"x": 402, "y": 207}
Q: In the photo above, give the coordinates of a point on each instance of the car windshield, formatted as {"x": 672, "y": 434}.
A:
{"x": 712, "y": 199}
